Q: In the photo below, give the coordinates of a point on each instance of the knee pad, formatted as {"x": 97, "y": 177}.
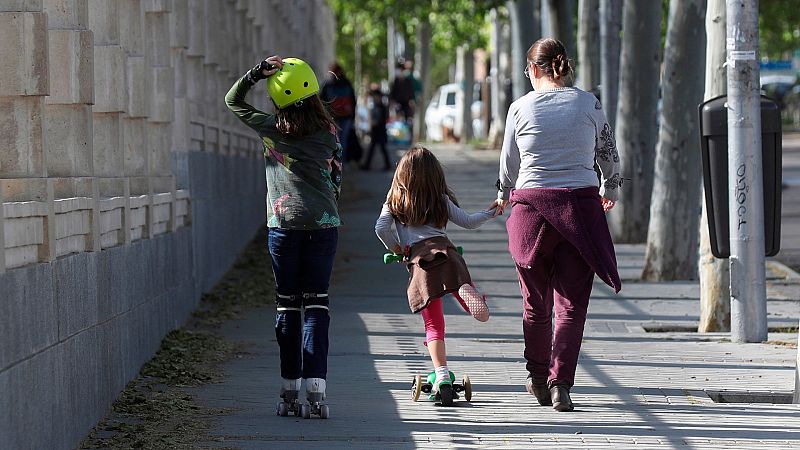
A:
{"x": 288, "y": 303}
{"x": 318, "y": 301}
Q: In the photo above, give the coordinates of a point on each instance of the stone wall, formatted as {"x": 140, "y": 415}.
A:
{"x": 126, "y": 187}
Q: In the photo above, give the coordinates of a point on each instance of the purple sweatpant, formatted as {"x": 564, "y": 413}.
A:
{"x": 561, "y": 279}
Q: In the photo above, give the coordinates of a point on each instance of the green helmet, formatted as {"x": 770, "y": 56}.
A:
{"x": 295, "y": 81}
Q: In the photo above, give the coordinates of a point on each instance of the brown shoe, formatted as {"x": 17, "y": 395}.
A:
{"x": 539, "y": 390}
{"x": 559, "y": 394}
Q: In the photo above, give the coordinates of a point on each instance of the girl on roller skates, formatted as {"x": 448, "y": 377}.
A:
{"x": 303, "y": 174}
{"x": 420, "y": 204}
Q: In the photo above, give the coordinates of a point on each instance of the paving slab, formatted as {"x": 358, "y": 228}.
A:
{"x": 634, "y": 388}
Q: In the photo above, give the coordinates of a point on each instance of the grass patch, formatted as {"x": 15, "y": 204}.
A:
{"x": 154, "y": 411}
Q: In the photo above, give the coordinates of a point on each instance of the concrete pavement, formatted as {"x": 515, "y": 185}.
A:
{"x": 634, "y": 388}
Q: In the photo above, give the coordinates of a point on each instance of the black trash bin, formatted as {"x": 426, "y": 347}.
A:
{"x": 714, "y": 147}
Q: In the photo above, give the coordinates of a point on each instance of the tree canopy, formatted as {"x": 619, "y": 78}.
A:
{"x": 453, "y": 23}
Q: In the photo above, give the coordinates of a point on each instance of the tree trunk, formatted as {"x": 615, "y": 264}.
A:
{"x": 465, "y": 78}
{"x": 498, "y": 73}
{"x": 588, "y": 44}
{"x": 561, "y": 28}
{"x": 637, "y": 128}
{"x": 391, "y": 51}
{"x": 715, "y": 297}
{"x": 423, "y": 68}
{"x": 674, "y": 210}
{"x": 524, "y": 31}
{"x": 610, "y": 27}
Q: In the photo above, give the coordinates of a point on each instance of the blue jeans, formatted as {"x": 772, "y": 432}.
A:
{"x": 302, "y": 261}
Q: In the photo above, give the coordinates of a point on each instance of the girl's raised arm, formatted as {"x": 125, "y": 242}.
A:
{"x": 466, "y": 220}
{"x": 234, "y": 99}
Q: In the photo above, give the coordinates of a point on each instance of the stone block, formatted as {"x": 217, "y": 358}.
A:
{"x": 75, "y": 284}
{"x": 113, "y": 297}
{"x": 157, "y": 39}
{"x": 180, "y": 125}
{"x": 21, "y": 137}
{"x": 27, "y": 312}
{"x": 180, "y": 64}
{"x": 108, "y": 145}
{"x": 67, "y": 14}
{"x": 162, "y": 94}
{"x": 71, "y": 61}
{"x": 21, "y": 6}
{"x": 83, "y": 387}
{"x": 138, "y": 93}
{"x": 135, "y": 146}
{"x": 131, "y": 27}
{"x": 158, "y": 6}
{"x": 179, "y": 24}
{"x": 69, "y": 134}
{"x": 32, "y": 399}
{"x": 104, "y": 21}
{"x": 23, "y": 44}
{"x": 159, "y": 146}
{"x": 110, "y": 80}
{"x": 197, "y": 26}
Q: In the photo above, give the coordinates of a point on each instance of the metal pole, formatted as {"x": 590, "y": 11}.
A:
{"x": 746, "y": 209}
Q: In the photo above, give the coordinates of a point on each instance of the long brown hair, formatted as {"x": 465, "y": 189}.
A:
{"x": 304, "y": 117}
{"x": 417, "y": 194}
{"x": 551, "y": 57}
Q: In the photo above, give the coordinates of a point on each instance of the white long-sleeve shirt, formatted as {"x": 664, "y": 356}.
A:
{"x": 553, "y": 138}
{"x": 404, "y": 235}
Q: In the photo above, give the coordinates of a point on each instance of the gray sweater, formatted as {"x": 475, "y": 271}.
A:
{"x": 411, "y": 234}
{"x": 553, "y": 138}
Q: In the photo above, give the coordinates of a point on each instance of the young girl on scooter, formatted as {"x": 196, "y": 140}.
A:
{"x": 420, "y": 204}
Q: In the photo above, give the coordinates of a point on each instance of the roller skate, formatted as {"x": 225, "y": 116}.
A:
{"x": 445, "y": 393}
{"x": 315, "y": 394}
{"x": 290, "y": 393}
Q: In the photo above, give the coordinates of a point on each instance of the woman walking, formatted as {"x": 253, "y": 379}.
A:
{"x": 557, "y": 232}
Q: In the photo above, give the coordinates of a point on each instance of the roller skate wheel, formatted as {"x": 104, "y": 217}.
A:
{"x": 467, "y": 388}
{"x": 416, "y": 388}
{"x": 305, "y": 411}
{"x": 324, "y": 412}
{"x": 283, "y": 409}
{"x": 297, "y": 410}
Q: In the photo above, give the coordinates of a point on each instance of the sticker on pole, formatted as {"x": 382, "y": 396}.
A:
{"x": 743, "y": 55}
{"x": 730, "y": 44}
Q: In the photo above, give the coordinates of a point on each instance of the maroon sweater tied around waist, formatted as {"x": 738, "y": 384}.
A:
{"x": 576, "y": 214}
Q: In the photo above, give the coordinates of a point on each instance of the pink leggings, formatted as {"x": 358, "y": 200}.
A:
{"x": 433, "y": 316}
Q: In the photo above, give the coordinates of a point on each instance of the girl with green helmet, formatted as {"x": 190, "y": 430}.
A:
{"x": 303, "y": 175}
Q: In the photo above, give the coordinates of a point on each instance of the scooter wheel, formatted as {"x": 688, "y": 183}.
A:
{"x": 467, "y": 388}
{"x": 305, "y": 411}
{"x": 446, "y": 394}
{"x": 324, "y": 412}
{"x": 283, "y": 409}
{"x": 416, "y": 388}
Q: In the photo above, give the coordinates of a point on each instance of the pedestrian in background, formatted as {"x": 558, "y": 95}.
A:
{"x": 378, "y": 116}
{"x": 557, "y": 232}
{"x": 338, "y": 93}
{"x": 303, "y": 174}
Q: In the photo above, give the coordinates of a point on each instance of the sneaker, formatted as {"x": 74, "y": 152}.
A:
{"x": 475, "y": 302}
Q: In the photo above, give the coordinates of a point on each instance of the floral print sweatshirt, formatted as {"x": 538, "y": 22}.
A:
{"x": 304, "y": 174}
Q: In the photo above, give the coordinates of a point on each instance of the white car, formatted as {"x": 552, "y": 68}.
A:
{"x": 442, "y": 110}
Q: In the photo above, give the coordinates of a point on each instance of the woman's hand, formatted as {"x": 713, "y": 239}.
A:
{"x": 499, "y": 206}
{"x": 607, "y": 204}
{"x": 276, "y": 62}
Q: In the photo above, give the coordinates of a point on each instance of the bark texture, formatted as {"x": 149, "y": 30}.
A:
{"x": 637, "y": 128}
{"x": 588, "y": 44}
{"x": 715, "y": 297}
{"x": 610, "y": 27}
{"x": 675, "y": 207}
